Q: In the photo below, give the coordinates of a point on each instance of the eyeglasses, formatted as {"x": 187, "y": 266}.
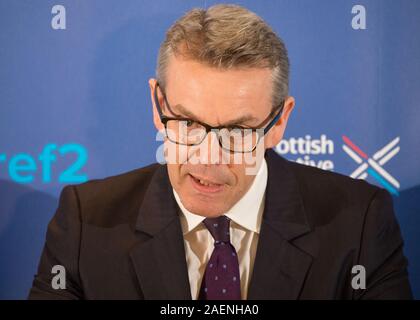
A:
{"x": 236, "y": 139}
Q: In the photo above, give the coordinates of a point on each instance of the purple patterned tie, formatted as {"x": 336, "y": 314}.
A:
{"x": 221, "y": 278}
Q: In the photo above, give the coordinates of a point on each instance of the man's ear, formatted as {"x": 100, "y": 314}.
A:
{"x": 156, "y": 118}
{"x": 276, "y": 133}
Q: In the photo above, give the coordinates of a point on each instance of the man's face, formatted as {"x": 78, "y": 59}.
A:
{"x": 216, "y": 97}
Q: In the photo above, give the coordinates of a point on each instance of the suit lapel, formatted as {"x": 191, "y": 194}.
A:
{"x": 281, "y": 266}
{"x": 159, "y": 262}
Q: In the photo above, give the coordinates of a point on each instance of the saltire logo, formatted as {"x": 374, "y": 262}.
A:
{"x": 373, "y": 166}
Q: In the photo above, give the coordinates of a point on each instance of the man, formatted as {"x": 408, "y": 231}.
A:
{"x": 204, "y": 226}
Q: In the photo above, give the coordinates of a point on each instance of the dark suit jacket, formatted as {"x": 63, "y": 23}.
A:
{"x": 121, "y": 238}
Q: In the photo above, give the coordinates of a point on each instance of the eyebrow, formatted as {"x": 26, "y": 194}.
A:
{"x": 237, "y": 121}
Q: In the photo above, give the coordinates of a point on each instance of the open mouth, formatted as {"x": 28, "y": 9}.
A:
{"x": 204, "y": 185}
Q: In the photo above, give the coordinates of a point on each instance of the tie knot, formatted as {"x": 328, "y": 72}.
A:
{"x": 219, "y": 228}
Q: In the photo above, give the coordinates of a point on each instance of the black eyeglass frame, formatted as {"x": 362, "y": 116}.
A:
{"x": 164, "y": 119}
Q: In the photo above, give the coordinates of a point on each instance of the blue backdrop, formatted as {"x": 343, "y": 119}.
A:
{"x": 75, "y": 104}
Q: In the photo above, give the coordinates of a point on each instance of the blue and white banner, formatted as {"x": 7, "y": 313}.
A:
{"x": 75, "y": 103}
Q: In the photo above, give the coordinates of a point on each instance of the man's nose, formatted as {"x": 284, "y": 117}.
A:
{"x": 210, "y": 150}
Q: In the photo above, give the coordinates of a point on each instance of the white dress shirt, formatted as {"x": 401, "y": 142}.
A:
{"x": 245, "y": 225}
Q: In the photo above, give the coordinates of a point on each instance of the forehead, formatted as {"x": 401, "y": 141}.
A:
{"x": 222, "y": 91}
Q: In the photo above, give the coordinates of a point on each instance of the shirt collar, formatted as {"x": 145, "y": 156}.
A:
{"x": 247, "y": 212}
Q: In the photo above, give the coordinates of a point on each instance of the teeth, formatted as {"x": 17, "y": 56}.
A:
{"x": 206, "y": 183}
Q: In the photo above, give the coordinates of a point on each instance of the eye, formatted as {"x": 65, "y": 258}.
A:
{"x": 233, "y": 129}
{"x": 189, "y": 123}
{"x": 236, "y": 129}
{"x": 240, "y": 131}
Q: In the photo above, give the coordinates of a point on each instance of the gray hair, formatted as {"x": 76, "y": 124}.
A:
{"x": 227, "y": 36}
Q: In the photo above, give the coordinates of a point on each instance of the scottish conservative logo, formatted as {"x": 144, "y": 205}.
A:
{"x": 303, "y": 149}
{"x": 373, "y": 166}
